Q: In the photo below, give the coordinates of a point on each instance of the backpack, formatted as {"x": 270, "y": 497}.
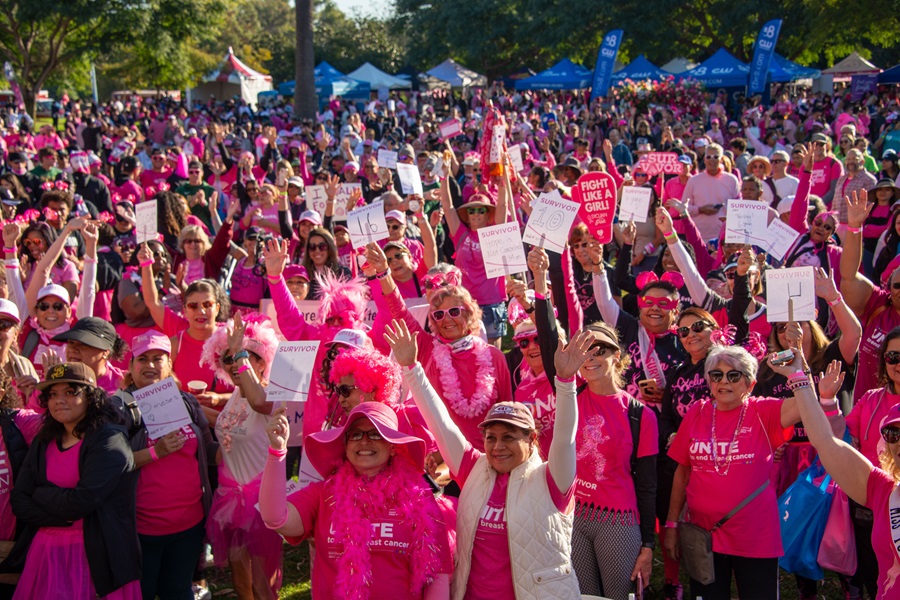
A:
{"x": 635, "y": 411}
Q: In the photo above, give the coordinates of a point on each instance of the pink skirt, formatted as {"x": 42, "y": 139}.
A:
{"x": 57, "y": 567}
{"x": 234, "y": 523}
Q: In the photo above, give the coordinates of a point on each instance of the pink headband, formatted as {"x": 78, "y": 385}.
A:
{"x": 648, "y": 277}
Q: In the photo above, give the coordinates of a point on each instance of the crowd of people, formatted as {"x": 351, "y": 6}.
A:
{"x": 525, "y": 436}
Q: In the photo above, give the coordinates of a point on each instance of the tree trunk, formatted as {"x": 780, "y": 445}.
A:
{"x": 304, "y": 78}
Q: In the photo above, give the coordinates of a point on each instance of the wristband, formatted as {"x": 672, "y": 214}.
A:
{"x": 5, "y": 249}
{"x": 539, "y": 296}
{"x": 832, "y": 413}
{"x": 798, "y": 385}
{"x": 148, "y": 263}
{"x": 529, "y": 310}
{"x": 566, "y": 380}
{"x": 671, "y": 525}
{"x": 90, "y": 260}
{"x": 371, "y": 278}
{"x": 649, "y": 249}
{"x": 672, "y": 238}
{"x": 11, "y": 263}
{"x": 836, "y": 301}
{"x": 278, "y": 453}
{"x": 240, "y": 354}
{"x": 243, "y": 368}
{"x": 153, "y": 455}
{"x": 853, "y": 229}
{"x": 382, "y": 275}
{"x": 798, "y": 376}
{"x": 273, "y": 279}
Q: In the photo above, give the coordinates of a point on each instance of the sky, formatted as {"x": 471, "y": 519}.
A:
{"x": 375, "y": 8}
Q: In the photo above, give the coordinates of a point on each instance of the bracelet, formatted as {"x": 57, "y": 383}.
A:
{"x": 671, "y": 238}
{"x": 278, "y": 453}
{"x": 566, "y": 380}
{"x": 649, "y": 249}
{"x": 153, "y": 455}
{"x": 240, "y": 354}
{"x": 148, "y": 263}
{"x": 12, "y": 263}
{"x": 853, "y": 229}
{"x": 273, "y": 279}
{"x": 5, "y": 249}
{"x": 243, "y": 368}
{"x": 596, "y": 264}
{"x": 383, "y": 274}
{"x": 90, "y": 260}
{"x": 371, "y": 278}
{"x": 798, "y": 386}
{"x": 529, "y": 310}
{"x": 836, "y": 301}
{"x": 832, "y": 413}
{"x": 798, "y": 376}
{"x": 671, "y": 525}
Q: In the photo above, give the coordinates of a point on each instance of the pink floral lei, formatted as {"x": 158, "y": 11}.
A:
{"x": 484, "y": 394}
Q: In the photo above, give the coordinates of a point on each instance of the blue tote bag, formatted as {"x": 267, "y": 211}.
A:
{"x": 803, "y": 510}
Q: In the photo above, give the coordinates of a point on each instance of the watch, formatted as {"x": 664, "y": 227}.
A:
{"x": 241, "y": 354}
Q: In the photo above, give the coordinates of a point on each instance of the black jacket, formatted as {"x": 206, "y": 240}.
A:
{"x": 104, "y": 498}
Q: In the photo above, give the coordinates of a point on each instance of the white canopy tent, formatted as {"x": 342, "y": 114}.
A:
{"x": 456, "y": 75}
{"x": 232, "y": 78}
{"x": 378, "y": 79}
{"x": 678, "y": 65}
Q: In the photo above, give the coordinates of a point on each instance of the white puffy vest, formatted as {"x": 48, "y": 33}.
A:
{"x": 540, "y": 537}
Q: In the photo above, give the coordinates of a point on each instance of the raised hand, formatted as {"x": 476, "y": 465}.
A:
{"x": 279, "y": 429}
{"x": 629, "y": 233}
{"x": 402, "y": 342}
{"x": 11, "y": 233}
{"x": 144, "y": 254}
{"x": 858, "y": 208}
{"x": 825, "y": 287}
{"x": 236, "y": 334}
{"x": 275, "y": 253}
{"x": 746, "y": 260}
{"x": 831, "y": 380}
{"x": 538, "y": 261}
{"x": 569, "y": 359}
{"x": 663, "y": 221}
{"x": 376, "y": 258}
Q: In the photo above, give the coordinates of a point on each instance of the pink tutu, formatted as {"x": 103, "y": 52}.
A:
{"x": 234, "y": 523}
{"x": 57, "y": 567}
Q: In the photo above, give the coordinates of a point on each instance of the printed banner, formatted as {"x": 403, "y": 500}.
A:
{"x": 762, "y": 56}
{"x": 606, "y": 60}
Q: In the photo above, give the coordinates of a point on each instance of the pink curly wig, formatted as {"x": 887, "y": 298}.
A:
{"x": 341, "y": 297}
{"x": 259, "y": 338}
{"x": 373, "y": 372}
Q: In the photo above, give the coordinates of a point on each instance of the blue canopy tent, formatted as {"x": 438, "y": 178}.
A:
{"x": 782, "y": 70}
{"x": 720, "y": 70}
{"x": 891, "y": 75}
{"x": 564, "y": 75}
{"x": 638, "y": 70}
{"x": 331, "y": 82}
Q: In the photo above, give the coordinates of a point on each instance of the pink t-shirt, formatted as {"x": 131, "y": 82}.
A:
{"x": 63, "y": 470}
{"x": 878, "y": 493}
{"x": 29, "y": 423}
{"x": 864, "y": 421}
{"x": 111, "y": 381}
{"x": 390, "y": 539}
{"x": 704, "y": 189}
{"x": 824, "y": 172}
{"x": 474, "y": 278}
{"x": 154, "y": 178}
{"x": 711, "y": 496}
{"x": 169, "y": 496}
{"x": 491, "y": 577}
{"x": 878, "y": 323}
{"x": 604, "y": 450}
{"x": 129, "y": 188}
{"x": 674, "y": 189}
{"x": 536, "y": 393}
{"x": 195, "y": 270}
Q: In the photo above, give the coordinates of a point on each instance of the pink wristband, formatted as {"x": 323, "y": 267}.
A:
{"x": 671, "y": 525}
{"x": 10, "y": 250}
{"x": 836, "y": 301}
{"x": 853, "y": 229}
{"x": 277, "y": 453}
{"x": 153, "y": 454}
{"x": 832, "y": 413}
{"x": 273, "y": 279}
{"x": 566, "y": 380}
{"x": 798, "y": 376}
{"x": 148, "y": 263}
{"x": 243, "y": 368}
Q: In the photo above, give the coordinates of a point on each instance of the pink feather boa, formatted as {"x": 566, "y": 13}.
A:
{"x": 356, "y": 499}
{"x": 259, "y": 338}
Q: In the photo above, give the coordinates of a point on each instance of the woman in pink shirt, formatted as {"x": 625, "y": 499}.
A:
{"x": 725, "y": 451}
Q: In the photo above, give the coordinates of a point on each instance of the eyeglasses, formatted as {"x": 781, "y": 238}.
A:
{"x": 640, "y": 175}
{"x": 663, "y": 303}
{"x": 523, "y": 342}
{"x": 696, "y": 327}
{"x": 321, "y": 247}
{"x": 580, "y": 245}
{"x": 892, "y": 357}
{"x": 191, "y": 241}
{"x": 891, "y": 435}
{"x": 126, "y": 246}
{"x": 759, "y": 166}
{"x": 818, "y": 143}
{"x": 395, "y": 227}
{"x": 600, "y": 349}
{"x": 477, "y": 210}
{"x": 823, "y": 225}
{"x": 206, "y": 305}
{"x": 357, "y": 436}
{"x": 194, "y": 171}
{"x": 778, "y": 160}
{"x": 32, "y": 242}
{"x": 6, "y": 325}
{"x": 453, "y": 312}
{"x": 732, "y": 376}
{"x": 57, "y": 306}
{"x": 398, "y": 257}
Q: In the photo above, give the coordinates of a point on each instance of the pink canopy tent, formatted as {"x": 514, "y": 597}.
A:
{"x": 232, "y": 78}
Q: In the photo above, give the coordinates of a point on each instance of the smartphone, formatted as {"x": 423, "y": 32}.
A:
{"x": 415, "y": 206}
{"x": 647, "y": 385}
{"x": 783, "y": 357}
{"x": 281, "y": 179}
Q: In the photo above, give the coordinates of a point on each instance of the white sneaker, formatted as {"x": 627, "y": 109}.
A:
{"x": 201, "y": 593}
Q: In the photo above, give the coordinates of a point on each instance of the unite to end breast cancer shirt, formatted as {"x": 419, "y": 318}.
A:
{"x": 878, "y": 493}
{"x": 604, "y": 447}
{"x": 490, "y": 576}
{"x": 389, "y": 546}
{"x": 754, "y": 531}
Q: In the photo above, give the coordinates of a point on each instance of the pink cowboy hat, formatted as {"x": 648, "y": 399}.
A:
{"x": 326, "y": 449}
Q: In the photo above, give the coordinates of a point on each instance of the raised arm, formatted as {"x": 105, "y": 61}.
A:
{"x": 855, "y": 288}
{"x": 274, "y": 508}
{"x": 250, "y": 385}
{"x": 848, "y": 324}
{"x": 799, "y": 218}
{"x": 561, "y": 457}
{"x": 450, "y": 440}
{"x": 41, "y": 274}
{"x": 88, "y": 293}
{"x": 696, "y": 285}
{"x": 290, "y": 319}
{"x": 11, "y": 233}
{"x": 429, "y": 243}
{"x": 609, "y": 310}
{"x": 450, "y": 215}
{"x": 544, "y": 321}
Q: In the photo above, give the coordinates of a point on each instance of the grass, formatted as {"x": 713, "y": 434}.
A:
{"x": 296, "y": 584}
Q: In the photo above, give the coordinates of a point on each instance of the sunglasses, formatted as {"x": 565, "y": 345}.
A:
{"x": 453, "y": 312}
{"x": 33, "y": 243}
{"x": 731, "y": 376}
{"x": 206, "y": 304}
{"x": 344, "y": 390}
{"x": 398, "y": 257}
{"x": 580, "y": 245}
{"x": 194, "y": 171}
{"x": 663, "y": 303}
{"x": 823, "y": 225}
{"x": 818, "y": 143}
{"x": 252, "y": 189}
{"x": 357, "y": 436}
{"x": 57, "y": 306}
{"x": 600, "y": 350}
{"x": 395, "y": 227}
{"x": 892, "y": 357}
{"x": 321, "y": 247}
{"x": 781, "y": 328}
{"x": 523, "y": 342}
{"x": 891, "y": 435}
{"x": 478, "y": 210}
{"x": 6, "y": 325}
{"x": 433, "y": 285}
{"x": 191, "y": 241}
{"x": 640, "y": 175}
{"x": 696, "y": 327}
{"x": 126, "y": 246}
{"x": 778, "y": 160}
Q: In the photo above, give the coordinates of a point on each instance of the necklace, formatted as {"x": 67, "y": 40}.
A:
{"x": 484, "y": 380}
{"x": 723, "y": 470}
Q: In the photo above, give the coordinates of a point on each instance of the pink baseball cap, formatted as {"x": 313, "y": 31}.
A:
{"x": 295, "y": 271}
{"x": 151, "y": 340}
{"x": 396, "y": 215}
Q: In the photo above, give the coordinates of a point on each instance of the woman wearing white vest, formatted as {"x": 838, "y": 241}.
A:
{"x": 514, "y": 522}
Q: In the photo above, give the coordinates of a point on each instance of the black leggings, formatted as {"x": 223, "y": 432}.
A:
{"x": 169, "y": 563}
{"x": 756, "y": 578}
